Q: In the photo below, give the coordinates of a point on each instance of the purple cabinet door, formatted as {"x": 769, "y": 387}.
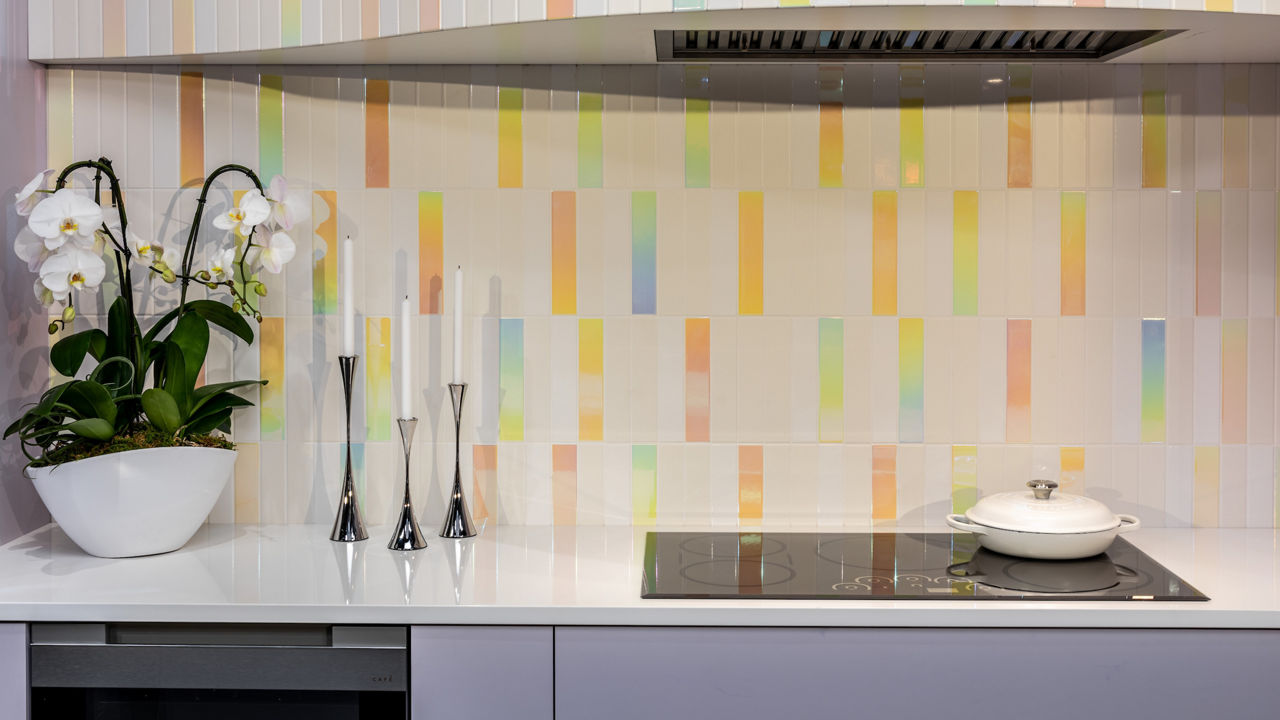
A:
{"x": 13, "y": 671}
{"x": 462, "y": 672}
{"x": 995, "y": 674}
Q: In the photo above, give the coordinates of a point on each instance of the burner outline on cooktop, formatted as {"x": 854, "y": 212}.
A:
{"x": 737, "y": 583}
{"x": 774, "y": 546}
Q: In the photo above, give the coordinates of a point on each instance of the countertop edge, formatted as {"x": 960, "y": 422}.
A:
{"x": 966, "y": 616}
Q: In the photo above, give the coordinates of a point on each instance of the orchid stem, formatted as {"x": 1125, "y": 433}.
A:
{"x": 189, "y": 252}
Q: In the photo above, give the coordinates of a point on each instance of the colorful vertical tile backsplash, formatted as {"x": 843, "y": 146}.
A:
{"x": 789, "y": 296}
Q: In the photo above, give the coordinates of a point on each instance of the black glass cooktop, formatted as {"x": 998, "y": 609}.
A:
{"x": 890, "y": 566}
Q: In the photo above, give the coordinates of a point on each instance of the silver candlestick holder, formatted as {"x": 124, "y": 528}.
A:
{"x": 407, "y": 535}
{"x": 457, "y": 520}
{"x": 348, "y": 526}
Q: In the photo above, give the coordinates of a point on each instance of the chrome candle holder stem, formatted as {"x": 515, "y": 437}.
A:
{"x": 457, "y": 520}
{"x": 407, "y": 535}
{"x": 348, "y": 526}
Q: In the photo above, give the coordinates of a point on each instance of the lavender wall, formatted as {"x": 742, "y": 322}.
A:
{"x": 23, "y": 344}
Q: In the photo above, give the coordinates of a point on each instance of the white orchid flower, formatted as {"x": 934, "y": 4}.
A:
{"x": 252, "y": 210}
{"x": 278, "y": 251}
{"x": 30, "y": 248}
{"x": 65, "y": 216}
{"x": 222, "y": 267}
{"x": 29, "y": 196}
{"x": 48, "y": 297}
{"x": 72, "y": 267}
{"x": 144, "y": 251}
{"x": 287, "y": 206}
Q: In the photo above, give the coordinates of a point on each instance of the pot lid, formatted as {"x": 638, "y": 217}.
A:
{"x": 1039, "y": 510}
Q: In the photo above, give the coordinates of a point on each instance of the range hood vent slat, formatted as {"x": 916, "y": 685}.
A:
{"x": 848, "y": 44}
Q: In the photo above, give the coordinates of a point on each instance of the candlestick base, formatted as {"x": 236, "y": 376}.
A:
{"x": 407, "y": 535}
{"x": 348, "y": 526}
{"x": 457, "y": 520}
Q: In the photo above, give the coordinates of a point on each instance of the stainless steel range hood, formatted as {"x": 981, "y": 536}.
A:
{"x": 912, "y": 33}
{"x": 845, "y": 45}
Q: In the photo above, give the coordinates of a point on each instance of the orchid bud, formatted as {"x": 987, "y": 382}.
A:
{"x": 257, "y": 316}
{"x": 260, "y": 289}
{"x": 68, "y": 313}
{"x": 53, "y": 328}
{"x": 236, "y": 306}
{"x": 203, "y": 276}
{"x": 169, "y": 276}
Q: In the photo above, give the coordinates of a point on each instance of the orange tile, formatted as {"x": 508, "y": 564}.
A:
{"x": 113, "y": 28}
{"x": 369, "y": 11}
{"x": 750, "y": 483}
{"x": 1235, "y": 384}
{"x": 884, "y": 252}
{"x": 191, "y": 120}
{"x": 559, "y": 9}
{"x": 697, "y": 379}
{"x": 1019, "y": 114}
{"x": 184, "y": 25}
{"x": 750, "y": 253}
{"x": 564, "y": 252}
{"x": 429, "y": 14}
{"x": 1018, "y": 378}
{"x": 377, "y": 154}
{"x": 484, "y": 480}
{"x": 564, "y": 484}
{"x": 884, "y": 482}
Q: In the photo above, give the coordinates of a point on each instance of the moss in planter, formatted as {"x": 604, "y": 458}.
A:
{"x": 138, "y": 437}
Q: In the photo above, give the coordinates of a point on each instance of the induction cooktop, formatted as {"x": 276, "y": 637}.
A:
{"x": 890, "y": 566}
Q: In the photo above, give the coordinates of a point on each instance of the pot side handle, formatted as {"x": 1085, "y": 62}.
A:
{"x": 1128, "y": 522}
{"x": 960, "y": 522}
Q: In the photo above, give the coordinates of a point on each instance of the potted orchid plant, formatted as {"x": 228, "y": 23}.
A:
{"x": 131, "y": 453}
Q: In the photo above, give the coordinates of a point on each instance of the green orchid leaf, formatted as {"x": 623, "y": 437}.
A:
{"x": 119, "y": 326}
{"x": 52, "y": 396}
{"x": 67, "y": 355}
{"x": 204, "y": 393}
{"x": 213, "y": 311}
{"x": 208, "y": 423}
{"x": 191, "y": 334}
{"x": 161, "y": 410}
{"x": 218, "y": 403}
{"x": 122, "y": 335}
{"x": 175, "y": 380}
{"x": 92, "y": 428}
{"x": 91, "y": 400}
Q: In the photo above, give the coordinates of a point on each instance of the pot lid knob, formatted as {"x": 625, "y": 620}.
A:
{"x": 1042, "y": 488}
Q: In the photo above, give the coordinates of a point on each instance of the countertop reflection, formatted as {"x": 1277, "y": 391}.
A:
{"x": 551, "y": 575}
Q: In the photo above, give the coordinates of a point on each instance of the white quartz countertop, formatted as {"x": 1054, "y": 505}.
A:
{"x": 554, "y": 576}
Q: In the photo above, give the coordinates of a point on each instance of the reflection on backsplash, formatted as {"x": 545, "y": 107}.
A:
{"x": 787, "y": 296}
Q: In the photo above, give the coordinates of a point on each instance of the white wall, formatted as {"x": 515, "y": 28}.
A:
{"x": 24, "y": 342}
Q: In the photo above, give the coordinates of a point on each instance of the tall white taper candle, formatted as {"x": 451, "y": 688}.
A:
{"x": 348, "y": 298}
{"x": 457, "y": 325}
{"x": 406, "y": 362}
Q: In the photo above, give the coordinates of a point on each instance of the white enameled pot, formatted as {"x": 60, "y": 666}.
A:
{"x": 138, "y": 502}
{"x": 1037, "y": 524}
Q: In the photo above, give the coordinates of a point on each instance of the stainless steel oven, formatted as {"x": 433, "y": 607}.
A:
{"x": 245, "y": 672}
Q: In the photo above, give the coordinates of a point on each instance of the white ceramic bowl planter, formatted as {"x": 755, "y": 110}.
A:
{"x": 139, "y": 502}
{"x": 1035, "y": 525}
